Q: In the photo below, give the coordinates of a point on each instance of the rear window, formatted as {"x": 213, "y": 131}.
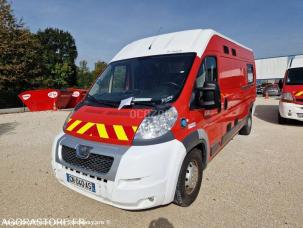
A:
{"x": 250, "y": 73}
{"x": 295, "y": 76}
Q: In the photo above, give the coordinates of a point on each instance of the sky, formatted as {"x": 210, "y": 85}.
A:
{"x": 102, "y": 27}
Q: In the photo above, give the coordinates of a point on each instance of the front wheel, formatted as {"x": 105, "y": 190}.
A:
{"x": 190, "y": 179}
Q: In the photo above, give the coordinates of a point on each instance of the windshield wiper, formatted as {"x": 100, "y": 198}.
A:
{"x": 145, "y": 103}
{"x": 101, "y": 102}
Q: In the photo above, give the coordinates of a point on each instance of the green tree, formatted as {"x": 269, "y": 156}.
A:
{"x": 59, "y": 53}
{"x": 99, "y": 68}
{"x": 84, "y": 76}
{"x": 19, "y": 57}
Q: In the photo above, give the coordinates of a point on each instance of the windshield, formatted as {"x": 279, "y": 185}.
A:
{"x": 157, "y": 79}
{"x": 295, "y": 76}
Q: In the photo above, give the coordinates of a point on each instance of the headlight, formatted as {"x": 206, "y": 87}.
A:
{"x": 67, "y": 119}
{"x": 287, "y": 97}
{"x": 154, "y": 126}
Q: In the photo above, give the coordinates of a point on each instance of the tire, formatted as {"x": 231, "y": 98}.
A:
{"x": 246, "y": 129}
{"x": 192, "y": 169}
{"x": 281, "y": 119}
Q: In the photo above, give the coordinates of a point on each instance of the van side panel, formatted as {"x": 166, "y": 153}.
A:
{"x": 237, "y": 96}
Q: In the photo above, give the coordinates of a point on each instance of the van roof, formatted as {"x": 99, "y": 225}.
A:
{"x": 177, "y": 42}
{"x": 296, "y": 61}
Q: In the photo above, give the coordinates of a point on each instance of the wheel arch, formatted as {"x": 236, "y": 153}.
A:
{"x": 198, "y": 139}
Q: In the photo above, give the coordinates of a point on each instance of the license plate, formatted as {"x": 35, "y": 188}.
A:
{"x": 87, "y": 185}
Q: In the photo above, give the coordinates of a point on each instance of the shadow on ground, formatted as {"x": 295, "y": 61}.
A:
{"x": 7, "y": 127}
{"x": 160, "y": 223}
{"x": 269, "y": 113}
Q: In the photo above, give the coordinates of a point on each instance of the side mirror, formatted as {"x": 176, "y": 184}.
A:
{"x": 281, "y": 83}
{"x": 209, "y": 96}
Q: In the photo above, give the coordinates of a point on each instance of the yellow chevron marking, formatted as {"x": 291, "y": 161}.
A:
{"x": 86, "y": 126}
{"x": 134, "y": 128}
{"x": 102, "y": 131}
{"x": 120, "y": 132}
{"x": 299, "y": 94}
{"x": 73, "y": 125}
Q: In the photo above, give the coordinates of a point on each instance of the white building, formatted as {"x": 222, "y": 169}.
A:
{"x": 271, "y": 69}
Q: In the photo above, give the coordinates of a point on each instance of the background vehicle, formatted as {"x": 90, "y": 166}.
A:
{"x": 291, "y": 103}
{"x": 260, "y": 89}
{"x": 163, "y": 108}
{"x": 272, "y": 90}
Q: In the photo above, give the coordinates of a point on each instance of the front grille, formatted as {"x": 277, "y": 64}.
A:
{"x": 95, "y": 162}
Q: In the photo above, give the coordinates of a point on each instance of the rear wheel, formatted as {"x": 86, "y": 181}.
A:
{"x": 246, "y": 129}
{"x": 190, "y": 179}
{"x": 281, "y": 119}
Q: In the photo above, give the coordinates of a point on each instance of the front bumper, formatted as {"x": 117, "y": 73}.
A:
{"x": 291, "y": 111}
{"x": 144, "y": 177}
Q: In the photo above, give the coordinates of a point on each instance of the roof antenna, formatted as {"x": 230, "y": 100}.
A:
{"x": 151, "y": 44}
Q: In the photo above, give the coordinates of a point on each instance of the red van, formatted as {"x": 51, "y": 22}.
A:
{"x": 291, "y": 102}
{"x": 163, "y": 108}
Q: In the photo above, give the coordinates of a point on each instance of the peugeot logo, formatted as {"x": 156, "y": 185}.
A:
{"x": 83, "y": 151}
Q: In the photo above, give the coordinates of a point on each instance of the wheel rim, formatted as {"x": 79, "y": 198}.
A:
{"x": 191, "y": 177}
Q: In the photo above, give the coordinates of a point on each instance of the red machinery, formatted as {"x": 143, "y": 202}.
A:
{"x": 77, "y": 96}
{"x": 51, "y": 99}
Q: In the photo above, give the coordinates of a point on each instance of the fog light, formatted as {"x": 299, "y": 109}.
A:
{"x": 289, "y": 113}
{"x": 151, "y": 199}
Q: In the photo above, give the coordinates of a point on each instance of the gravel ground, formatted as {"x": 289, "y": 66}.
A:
{"x": 256, "y": 181}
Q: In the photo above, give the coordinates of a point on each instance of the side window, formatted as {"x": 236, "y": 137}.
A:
{"x": 226, "y": 49}
{"x": 211, "y": 69}
{"x": 250, "y": 73}
{"x": 233, "y": 52}
{"x": 119, "y": 78}
{"x": 102, "y": 83}
{"x": 208, "y": 71}
{"x": 201, "y": 76}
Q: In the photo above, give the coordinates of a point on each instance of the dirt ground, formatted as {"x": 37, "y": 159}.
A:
{"x": 256, "y": 180}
